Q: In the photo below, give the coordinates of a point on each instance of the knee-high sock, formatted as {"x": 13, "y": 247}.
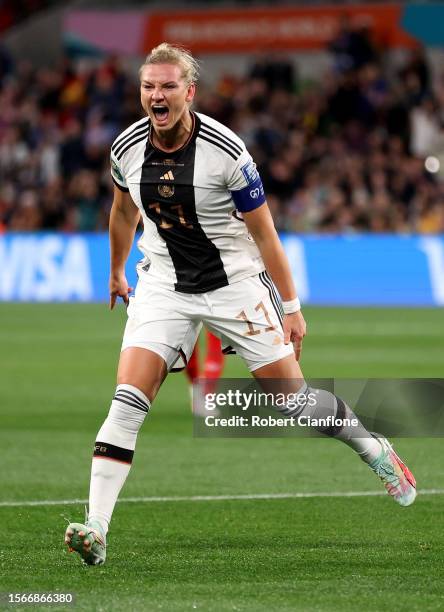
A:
{"x": 114, "y": 450}
{"x": 327, "y": 404}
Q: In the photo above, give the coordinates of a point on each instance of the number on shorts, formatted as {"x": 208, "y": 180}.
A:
{"x": 271, "y": 327}
{"x": 251, "y": 330}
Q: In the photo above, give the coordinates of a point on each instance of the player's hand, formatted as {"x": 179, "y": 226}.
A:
{"x": 295, "y": 329}
{"x": 118, "y": 287}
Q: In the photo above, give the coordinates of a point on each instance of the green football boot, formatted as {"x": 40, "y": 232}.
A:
{"x": 396, "y": 476}
{"x": 87, "y": 540}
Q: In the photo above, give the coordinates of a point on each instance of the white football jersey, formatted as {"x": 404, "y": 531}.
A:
{"x": 191, "y": 202}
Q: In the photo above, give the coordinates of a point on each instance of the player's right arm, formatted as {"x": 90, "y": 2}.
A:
{"x": 122, "y": 228}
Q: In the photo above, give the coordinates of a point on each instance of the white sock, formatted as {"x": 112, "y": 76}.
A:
{"x": 358, "y": 438}
{"x": 327, "y": 404}
{"x": 114, "y": 450}
{"x": 368, "y": 449}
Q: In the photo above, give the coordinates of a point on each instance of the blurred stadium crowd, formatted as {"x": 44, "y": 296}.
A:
{"x": 344, "y": 153}
{"x": 13, "y": 12}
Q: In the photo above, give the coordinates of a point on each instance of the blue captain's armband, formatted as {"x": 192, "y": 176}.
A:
{"x": 250, "y": 197}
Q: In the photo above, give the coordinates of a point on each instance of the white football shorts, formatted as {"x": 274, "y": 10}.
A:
{"x": 246, "y": 316}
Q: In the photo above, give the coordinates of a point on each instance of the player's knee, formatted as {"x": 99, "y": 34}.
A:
{"x": 147, "y": 385}
{"x": 129, "y": 407}
{"x": 143, "y": 369}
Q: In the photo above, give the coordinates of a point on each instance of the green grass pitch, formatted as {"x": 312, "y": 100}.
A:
{"x": 57, "y": 365}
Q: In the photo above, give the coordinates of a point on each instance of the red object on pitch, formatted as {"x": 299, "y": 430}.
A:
{"x": 192, "y": 369}
{"x": 214, "y": 359}
{"x": 213, "y": 364}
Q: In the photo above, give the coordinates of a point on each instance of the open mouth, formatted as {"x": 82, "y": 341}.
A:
{"x": 161, "y": 112}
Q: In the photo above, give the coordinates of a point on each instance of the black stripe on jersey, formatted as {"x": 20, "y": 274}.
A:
{"x": 117, "y": 147}
{"x": 265, "y": 282}
{"x": 219, "y": 145}
{"x": 119, "y": 151}
{"x": 131, "y": 143}
{"x": 122, "y": 395}
{"x": 116, "y": 453}
{"x": 124, "y": 189}
{"x": 196, "y": 259}
{"x": 121, "y": 140}
{"x": 206, "y": 129}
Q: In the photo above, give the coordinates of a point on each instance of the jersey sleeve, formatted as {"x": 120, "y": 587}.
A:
{"x": 245, "y": 184}
{"x": 117, "y": 174}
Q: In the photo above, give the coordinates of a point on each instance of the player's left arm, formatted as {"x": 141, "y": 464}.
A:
{"x": 248, "y": 195}
{"x": 261, "y": 226}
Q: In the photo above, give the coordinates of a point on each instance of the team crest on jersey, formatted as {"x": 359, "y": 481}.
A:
{"x": 166, "y": 191}
{"x": 116, "y": 171}
{"x": 250, "y": 173}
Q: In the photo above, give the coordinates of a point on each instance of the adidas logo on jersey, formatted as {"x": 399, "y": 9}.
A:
{"x": 168, "y": 176}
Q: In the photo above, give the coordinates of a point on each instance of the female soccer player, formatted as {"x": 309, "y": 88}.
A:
{"x": 213, "y": 257}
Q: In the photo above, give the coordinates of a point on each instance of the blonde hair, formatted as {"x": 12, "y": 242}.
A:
{"x": 173, "y": 54}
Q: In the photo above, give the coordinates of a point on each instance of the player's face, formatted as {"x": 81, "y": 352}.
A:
{"x": 164, "y": 95}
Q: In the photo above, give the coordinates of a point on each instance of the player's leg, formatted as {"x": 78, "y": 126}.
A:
{"x": 214, "y": 362}
{"x": 139, "y": 377}
{"x": 375, "y": 451}
{"x": 247, "y": 316}
{"x": 142, "y": 368}
{"x": 156, "y": 337}
{"x": 326, "y": 405}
